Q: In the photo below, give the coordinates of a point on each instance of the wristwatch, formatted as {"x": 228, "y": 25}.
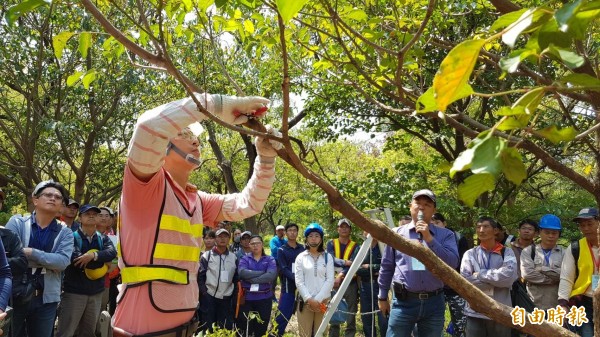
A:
{"x": 382, "y": 299}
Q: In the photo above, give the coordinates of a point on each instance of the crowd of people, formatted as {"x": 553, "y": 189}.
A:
{"x": 172, "y": 276}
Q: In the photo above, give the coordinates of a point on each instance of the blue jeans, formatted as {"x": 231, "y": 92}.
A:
{"x": 286, "y": 309}
{"x": 368, "y": 303}
{"x": 39, "y": 319}
{"x": 427, "y": 314}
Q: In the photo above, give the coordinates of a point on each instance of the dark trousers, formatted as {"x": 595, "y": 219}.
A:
{"x": 286, "y": 310}
{"x": 112, "y": 295}
{"x": 368, "y": 304}
{"x": 37, "y": 320}
{"x": 252, "y": 325}
{"x": 216, "y": 311}
{"x": 351, "y": 297}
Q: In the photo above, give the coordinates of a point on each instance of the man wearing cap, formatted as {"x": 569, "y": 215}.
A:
{"x": 84, "y": 277}
{"x": 579, "y": 270}
{"x": 492, "y": 268}
{"x": 217, "y": 277}
{"x": 277, "y": 241}
{"x": 344, "y": 250}
{"x": 162, "y": 215}
{"x": 244, "y": 244}
{"x": 418, "y": 296}
{"x": 540, "y": 264}
{"x": 69, "y": 213}
{"x": 48, "y": 246}
{"x": 286, "y": 259}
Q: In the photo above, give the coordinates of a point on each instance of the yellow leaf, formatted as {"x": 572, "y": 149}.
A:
{"x": 455, "y": 71}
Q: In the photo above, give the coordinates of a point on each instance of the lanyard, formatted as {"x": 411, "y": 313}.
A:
{"x": 487, "y": 266}
{"x": 596, "y": 264}
{"x": 547, "y": 253}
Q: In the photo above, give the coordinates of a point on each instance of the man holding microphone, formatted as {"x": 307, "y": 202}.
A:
{"x": 418, "y": 295}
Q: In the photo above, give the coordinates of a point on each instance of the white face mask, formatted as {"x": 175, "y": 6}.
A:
{"x": 236, "y": 238}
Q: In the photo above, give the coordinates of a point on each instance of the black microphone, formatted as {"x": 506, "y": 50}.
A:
{"x": 420, "y": 217}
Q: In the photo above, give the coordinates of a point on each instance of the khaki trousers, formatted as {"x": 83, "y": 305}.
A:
{"x": 309, "y": 321}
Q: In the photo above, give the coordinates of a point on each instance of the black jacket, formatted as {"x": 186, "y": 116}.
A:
{"x": 75, "y": 280}
{"x": 15, "y": 256}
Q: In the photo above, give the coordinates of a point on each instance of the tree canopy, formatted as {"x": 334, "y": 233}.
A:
{"x": 493, "y": 102}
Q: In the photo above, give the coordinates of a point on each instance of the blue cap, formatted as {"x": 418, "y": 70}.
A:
{"x": 87, "y": 207}
{"x": 586, "y": 213}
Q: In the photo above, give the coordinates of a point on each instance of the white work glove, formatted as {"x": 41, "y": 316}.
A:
{"x": 237, "y": 110}
{"x": 267, "y": 147}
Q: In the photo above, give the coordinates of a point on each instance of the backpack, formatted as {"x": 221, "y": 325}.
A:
{"x": 575, "y": 252}
{"x": 79, "y": 242}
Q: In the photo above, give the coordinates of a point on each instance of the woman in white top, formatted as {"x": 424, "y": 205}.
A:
{"x": 314, "y": 275}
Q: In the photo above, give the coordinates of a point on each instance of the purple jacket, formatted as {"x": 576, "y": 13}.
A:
{"x": 397, "y": 266}
{"x": 262, "y": 273}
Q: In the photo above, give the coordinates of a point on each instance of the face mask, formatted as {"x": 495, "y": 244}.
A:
{"x": 236, "y": 239}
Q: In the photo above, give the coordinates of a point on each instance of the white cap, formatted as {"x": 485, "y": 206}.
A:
{"x": 279, "y": 227}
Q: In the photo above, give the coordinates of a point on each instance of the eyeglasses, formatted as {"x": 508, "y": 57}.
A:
{"x": 187, "y": 134}
{"x": 49, "y": 195}
{"x": 255, "y": 243}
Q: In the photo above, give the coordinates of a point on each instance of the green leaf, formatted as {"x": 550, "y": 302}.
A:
{"x": 553, "y": 134}
{"x": 486, "y": 156}
{"x": 507, "y": 19}
{"x": 568, "y": 57}
{"x": 89, "y": 77}
{"x": 204, "y": 4}
{"x": 514, "y": 122}
{"x": 516, "y": 28}
{"x": 16, "y": 11}
{"x": 357, "y": 15}
{"x": 187, "y": 4}
{"x": 549, "y": 33}
{"x": 511, "y": 64}
{"x": 474, "y": 186}
{"x": 71, "y": 80}
{"x": 581, "y": 80}
{"x": 462, "y": 162}
{"x": 455, "y": 70}
{"x": 531, "y": 100}
{"x": 249, "y": 26}
{"x": 566, "y": 14}
{"x": 289, "y": 8}
{"x": 510, "y": 111}
{"x": 512, "y": 165}
{"x": 60, "y": 41}
{"x": 426, "y": 102}
{"x": 85, "y": 41}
